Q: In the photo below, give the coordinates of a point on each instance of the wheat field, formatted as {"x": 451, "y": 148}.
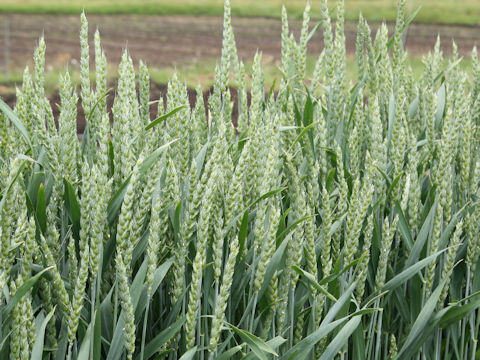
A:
{"x": 333, "y": 219}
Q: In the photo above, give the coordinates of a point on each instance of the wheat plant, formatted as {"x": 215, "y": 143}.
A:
{"x": 328, "y": 219}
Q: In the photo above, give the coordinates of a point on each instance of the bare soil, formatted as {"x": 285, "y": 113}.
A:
{"x": 173, "y": 40}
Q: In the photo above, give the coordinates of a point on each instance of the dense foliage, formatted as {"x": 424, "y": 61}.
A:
{"x": 333, "y": 218}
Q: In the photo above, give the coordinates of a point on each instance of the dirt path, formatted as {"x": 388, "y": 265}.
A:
{"x": 167, "y": 41}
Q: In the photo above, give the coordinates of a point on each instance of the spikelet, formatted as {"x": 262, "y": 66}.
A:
{"x": 199, "y": 261}
{"x": 397, "y": 36}
{"x": 328, "y": 39}
{"x": 144, "y": 92}
{"x": 100, "y": 73}
{"x": 388, "y": 232}
{"x": 223, "y": 295}
{"x": 199, "y": 126}
{"x": 302, "y": 47}
{"x": 242, "y": 119}
{"x": 359, "y": 201}
{"x": 8, "y": 214}
{"x": 155, "y": 236}
{"x": 218, "y": 236}
{"x": 437, "y": 228}
{"x": 99, "y": 218}
{"x": 450, "y": 260}
{"x": 122, "y": 116}
{"x": 367, "y": 242}
{"x": 127, "y": 306}
{"x": 359, "y": 47}
{"x": 176, "y": 125}
{"x": 86, "y": 233}
{"x": 414, "y": 199}
{"x": 267, "y": 247}
{"x": 125, "y": 221}
{"x": 85, "y": 66}
{"x": 187, "y": 228}
{"x": 67, "y": 130}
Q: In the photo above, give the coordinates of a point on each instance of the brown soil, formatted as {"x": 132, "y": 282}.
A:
{"x": 173, "y": 40}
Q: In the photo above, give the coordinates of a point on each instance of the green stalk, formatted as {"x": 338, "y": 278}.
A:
{"x": 379, "y": 336}
{"x": 144, "y": 330}
{"x": 92, "y": 311}
{"x": 292, "y": 313}
{"x": 115, "y": 304}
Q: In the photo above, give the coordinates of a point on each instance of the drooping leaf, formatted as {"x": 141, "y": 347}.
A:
{"x": 164, "y": 116}
{"x": 257, "y": 345}
{"x": 22, "y": 290}
{"x": 16, "y": 122}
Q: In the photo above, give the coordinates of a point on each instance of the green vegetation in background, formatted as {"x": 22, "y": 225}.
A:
{"x": 433, "y": 11}
{"x": 200, "y": 73}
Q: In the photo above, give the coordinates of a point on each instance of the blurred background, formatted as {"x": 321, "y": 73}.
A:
{"x": 185, "y": 35}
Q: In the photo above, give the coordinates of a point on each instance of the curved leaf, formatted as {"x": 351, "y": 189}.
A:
{"x": 37, "y": 350}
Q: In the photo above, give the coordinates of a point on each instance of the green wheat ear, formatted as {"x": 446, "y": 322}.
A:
{"x": 318, "y": 219}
